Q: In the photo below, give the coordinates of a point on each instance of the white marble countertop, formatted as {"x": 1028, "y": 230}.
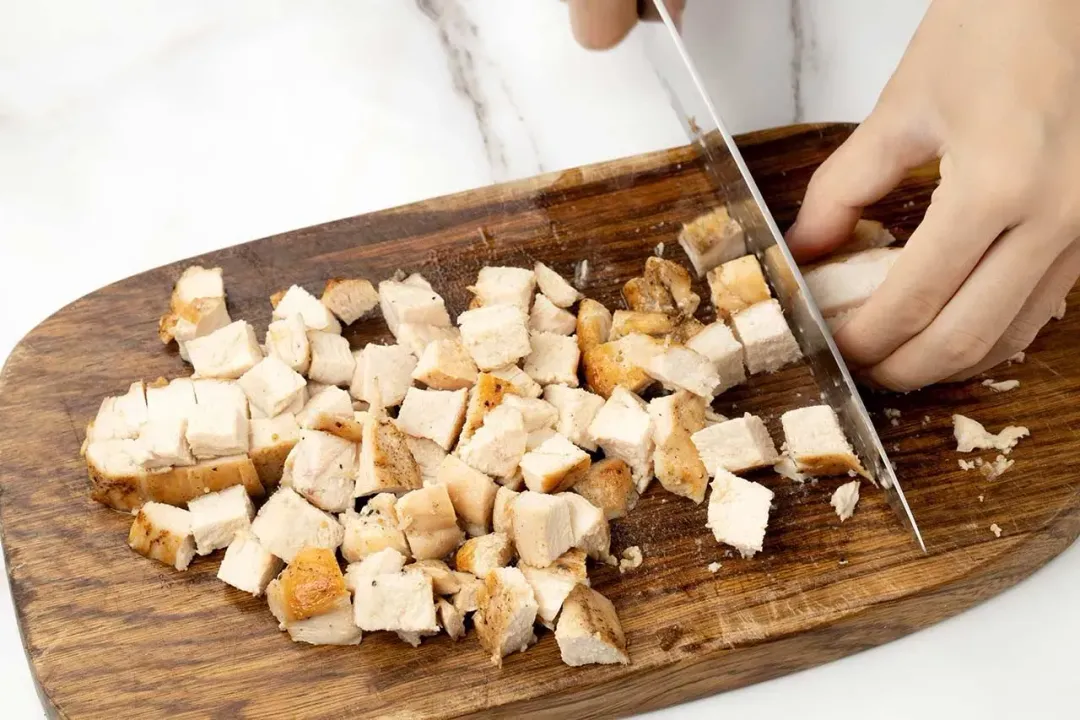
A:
{"x": 138, "y": 132}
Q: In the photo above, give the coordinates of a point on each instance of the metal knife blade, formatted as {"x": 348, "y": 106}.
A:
{"x": 673, "y": 62}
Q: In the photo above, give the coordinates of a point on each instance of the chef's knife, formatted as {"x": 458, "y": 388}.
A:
{"x": 673, "y": 57}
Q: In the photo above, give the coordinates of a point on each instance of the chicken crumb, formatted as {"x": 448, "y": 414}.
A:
{"x": 892, "y": 413}
{"x": 1018, "y": 358}
{"x": 966, "y": 464}
{"x": 894, "y": 422}
{"x": 997, "y": 468}
{"x": 925, "y": 420}
{"x": 994, "y": 528}
{"x": 714, "y": 566}
{"x": 1001, "y": 385}
{"x": 631, "y": 559}
{"x": 971, "y": 435}
{"x": 659, "y": 249}
{"x": 581, "y": 274}
{"x": 842, "y": 562}
{"x": 896, "y": 448}
{"x": 981, "y": 498}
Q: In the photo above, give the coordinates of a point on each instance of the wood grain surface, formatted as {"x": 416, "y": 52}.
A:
{"x": 111, "y": 634}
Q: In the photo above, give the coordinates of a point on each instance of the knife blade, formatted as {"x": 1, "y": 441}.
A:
{"x": 673, "y": 62}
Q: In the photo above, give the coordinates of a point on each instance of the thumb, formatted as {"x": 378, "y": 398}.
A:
{"x": 864, "y": 169}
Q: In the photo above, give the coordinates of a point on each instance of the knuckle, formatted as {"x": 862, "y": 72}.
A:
{"x": 916, "y": 312}
{"x": 962, "y": 349}
{"x": 898, "y": 379}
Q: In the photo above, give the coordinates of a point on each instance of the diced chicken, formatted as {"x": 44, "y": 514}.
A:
{"x": 387, "y": 561}
{"x": 971, "y": 435}
{"x": 415, "y": 280}
{"x": 589, "y": 632}
{"x": 215, "y": 431}
{"x": 591, "y": 530}
{"x": 815, "y": 441}
{"x": 497, "y": 447}
{"x": 677, "y": 281}
{"x": 385, "y": 464}
{"x": 163, "y": 444}
{"x": 767, "y": 341}
{"x": 121, "y": 417}
{"x": 718, "y": 344}
{"x": 845, "y": 498}
{"x": 247, "y": 565}
{"x": 216, "y": 517}
{"x": 332, "y": 360}
{"x": 163, "y": 533}
{"x": 555, "y": 287}
{"x": 429, "y": 522}
{"x": 676, "y": 462}
{"x": 623, "y": 429}
{"x": 451, "y": 619}
{"x": 628, "y": 322}
{"x": 445, "y": 365}
{"x": 298, "y": 301}
{"x": 553, "y": 360}
{"x": 444, "y": 581}
{"x": 322, "y": 468}
{"x": 685, "y": 331}
{"x": 433, "y": 414}
{"x": 523, "y": 384}
{"x": 383, "y": 375}
{"x": 287, "y": 340}
{"x": 542, "y": 527}
{"x": 116, "y": 473}
{"x": 415, "y": 337}
{"x": 272, "y": 386}
{"x": 179, "y": 485}
{"x": 333, "y": 401}
{"x": 577, "y": 409}
{"x": 735, "y": 445}
{"x": 480, "y": 555}
{"x": 485, "y": 396}
{"x": 609, "y": 485}
{"x": 200, "y": 317}
{"x": 346, "y": 428}
{"x": 401, "y": 602}
{"x": 404, "y": 302}
{"x": 467, "y": 598}
{"x": 844, "y": 284}
{"x": 350, "y": 299}
{"x": 547, "y": 317}
{"x": 737, "y": 285}
{"x": 739, "y": 512}
{"x": 593, "y": 324}
{"x": 535, "y": 413}
{"x": 472, "y": 493}
{"x": 554, "y": 466}
{"x": 712, "y": 239}
{"x": 536, "y": 439}
{"x": 197, "y": 282}
{"x": 222, "y": 395}
{"x": 648, "y": 295}
{"x": 311, "y": 602}
{"x": 287, "y": 523}
{"x": 372, "y": 530}
{"x": 514, "y": 482}
{"x": 684, "y": 369}
{"x": 495, "y": 335}
{"x": 428, "y": 456}
{"x": 175, "y": 399}
{"x": 504, "y": 286}
{"x": 868, "y": 234}
{"x": 552, "y": 584}
{"x": 621, "y": 362}
{"x": 225, "y": 353}
{"x": 502, "y": 514}
{"x": 504, "y": 620}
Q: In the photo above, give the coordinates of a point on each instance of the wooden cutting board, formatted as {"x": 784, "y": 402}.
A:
{"x": 111, "y": 634}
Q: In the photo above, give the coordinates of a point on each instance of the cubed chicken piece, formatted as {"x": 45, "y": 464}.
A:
{"x": 287, "y": 523}
{"x": 332, "y": 360}
{"x": 495, "y": 336}
{"x": 436, "y": 543}
{"x": 504, "y": 620}
{"x": 310, "y": 600}
{"x": 814, "y": 439}
{"x": 450, "y": 618}
{"x": 684, "y": 332}
{"x": 712, "y": 239}
{"x": 845, "y": 498}
{"x": 445, "y": 365}
{"x": 628, "y": 322}
{"x": 198, "y": 318}
{"x": 346, "y": 428}
{"x": 504, "y": 286}
{"x": 735, "y": 445}
{"x": 467, "y": 598}
{"x": 298, "y": 301}
{"x": 545, "y": 316}
{"x": 497, "y": 447}
{"x": 175, "y": 399}
{"x": 428, "y": 456}
{"x": 592, "y": 532}
{"x": 684, "y": 369}
{"x": 322, "y": 468}
{"x": 224, "y": 395}
{"x": 350, "y": 299}
{"x": 444, "y": 581}
{"x": 433, "y": 414}
{"x": 401, "y": 602}
{"x": 589, "y": 632}
{"x": 404, "y": 302}
{"x": 287, "y": 340}
{"x": 577, "y": 409}
{"x": 593, "y": 324}
{"x": 164, "y": 444}
{"x": 247, "y": 565}
{"x": 370, "y": 531}
{"x": 485, "y": 396}
{"x": 163, "y": 533}
{"x": 648, "y": 295}
{"x": 472, "y": 494}
{"x": 179, "y": 485}
{"x": 623, "y": 429}
{"x": 536, "y": 439}
{"x": 555, "y": 287}
{"x": 523, "y": 384}
{"x": 552, "y": 584}
{"x": 226, "y": 353}
{"x": 553, "y": 360}
{"x": 845, "y": 283}
{"x": 383, "y": 375}
{"x": 542, "y": 527}
{"x": 429, "y": 522}
{"x": 766, "y": 338}
{"x": 385, "y": 464}
{"x": 621, "y": 362}
{"x": 535, "y": 413}
{"x": 480, "y": 555}
{"x": 121, "y": 417}
{"x": 739, "y": 512}
{"x": 514, "y": 482}
{"x": 415, "y": 337}
{"x": 217, "y": 431}
{"x": 609, "y": 485}
{"x": 676, "y": 280}
{"x": 387, "y": 561}
{"x": 197, "y": 282}
{"x": 502, "y": 514}
{"x": 216, "y": 517}
{"x": 272, "y": 386}
{"x": 554, "y": 466}
{"x": 736, "y": 285}
{"x": 333, "y": 401}
{"x": 676, "y": 462}
{"x": 718, "y": 344}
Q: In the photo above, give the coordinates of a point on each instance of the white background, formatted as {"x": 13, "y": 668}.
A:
{"x": 139, "y": 132}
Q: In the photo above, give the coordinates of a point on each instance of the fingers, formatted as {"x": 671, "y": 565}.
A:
{"x": 975, "y": 319}
{"x": 861, "y": 171}
{"x": 601, "y": 24}
{"x": 1037, "y": 311}
{"x": 942, "y": 252}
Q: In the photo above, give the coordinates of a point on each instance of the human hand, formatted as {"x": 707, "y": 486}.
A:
{"x": 601, "y": 24}
{"x": 992, "y": 87}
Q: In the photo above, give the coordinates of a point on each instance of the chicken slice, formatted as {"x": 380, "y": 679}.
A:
{"x": 589, "y": 631}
